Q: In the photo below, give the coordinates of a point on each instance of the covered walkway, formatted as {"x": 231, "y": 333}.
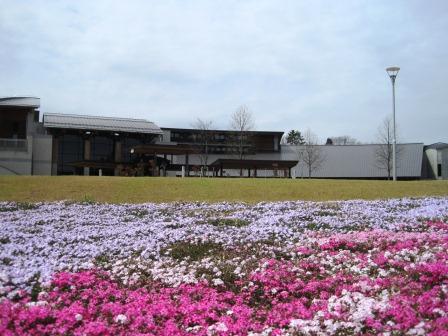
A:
{"x": 253, "y": 166}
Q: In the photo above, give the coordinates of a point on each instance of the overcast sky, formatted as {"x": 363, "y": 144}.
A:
{"x": 295, "y": 64}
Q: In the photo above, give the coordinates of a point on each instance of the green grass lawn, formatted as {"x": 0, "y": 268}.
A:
{"x": 163, "y": 189}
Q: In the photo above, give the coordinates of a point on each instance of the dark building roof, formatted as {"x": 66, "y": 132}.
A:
{"x": 192, "y": 130}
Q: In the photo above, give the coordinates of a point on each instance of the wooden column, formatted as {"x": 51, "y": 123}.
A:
{"x": 54, "y": 156}
{"x": 117, "y": 156}
{"x": 154, "y": 170}
{"x": 187, "y": 167}
{"x": 87, "y": 155}
{"x": 164, "y": 165}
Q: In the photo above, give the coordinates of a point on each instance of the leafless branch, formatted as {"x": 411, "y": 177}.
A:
{"x": 312, "y": 154}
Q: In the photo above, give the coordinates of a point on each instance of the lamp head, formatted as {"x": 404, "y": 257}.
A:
{"x": 392, "y": 71}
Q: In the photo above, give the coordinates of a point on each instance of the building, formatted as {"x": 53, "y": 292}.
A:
{"x": 63, "y": 144}
{"x": 230, "y": 153}
{"x": 25, "y": 148}
{"x": 362, "y": 162}
{"x": 436, "y": 161}
{"x": 88, "y": 145}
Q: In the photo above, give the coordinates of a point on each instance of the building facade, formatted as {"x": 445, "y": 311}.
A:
{"x": 25, "y": 147}
{"x": 88, "y": 145}
{"x": 436, "y": 161}
{"x": 63, "y": 144}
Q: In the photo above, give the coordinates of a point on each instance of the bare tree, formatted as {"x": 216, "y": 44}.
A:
{"x": 344, "y": 140}
{"x": 241, "y": 122}
{"x": 205, "y": 136}
{"x": 384, "y": 151}
{"x": 296, "y": 139}
{"x": 311, "y": 153}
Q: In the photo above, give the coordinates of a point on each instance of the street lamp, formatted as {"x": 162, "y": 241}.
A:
{"x": 393, "y": 72}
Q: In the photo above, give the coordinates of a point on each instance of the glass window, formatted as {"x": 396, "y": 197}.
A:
{"x": 126, "y": 145}
{"x": 70, "y": 150}
{"x": 102, "y": 148}
{"x": 13, "y": 124}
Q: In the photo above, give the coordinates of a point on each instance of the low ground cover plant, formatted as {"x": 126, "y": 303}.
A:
{"x": 282, "y": 268}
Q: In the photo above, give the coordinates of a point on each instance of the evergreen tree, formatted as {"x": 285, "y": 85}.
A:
{"x": 295, "y": 138}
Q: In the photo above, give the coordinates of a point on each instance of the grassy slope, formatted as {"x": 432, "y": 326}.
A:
{"x": 138, "y": 190}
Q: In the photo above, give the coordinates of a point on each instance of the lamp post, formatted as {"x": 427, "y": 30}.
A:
{"x": 393, "y": 72}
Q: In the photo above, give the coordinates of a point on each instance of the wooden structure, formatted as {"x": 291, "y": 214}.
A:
{"x": 252, "y": 166}
{"x": 165, "y": 149}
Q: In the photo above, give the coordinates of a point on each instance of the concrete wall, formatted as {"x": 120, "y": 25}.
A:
{"x": 42, "y": 154}
{"x": 31, "y": 126}
{"x": 16, "y": 162}
{"x": 444, "y": 161}
{"x": 436, "y": 157}
{"x": 431, "y": 155}
{"x": 32, "y": 159}
{"x": 36, "y": 160}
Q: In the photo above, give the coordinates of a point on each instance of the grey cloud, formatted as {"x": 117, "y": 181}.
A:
{"x": 296, "y": 64}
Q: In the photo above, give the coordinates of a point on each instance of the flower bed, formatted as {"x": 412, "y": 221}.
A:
{"x": 349, "y": 267}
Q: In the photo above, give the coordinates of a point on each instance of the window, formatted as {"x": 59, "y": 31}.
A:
{"x": 102, "y": 148}
{"x": 13, "y": 124}
{"x": 439, "y": 170}
{"x": 127, "y": 144}
{"x": 70, "y": 149}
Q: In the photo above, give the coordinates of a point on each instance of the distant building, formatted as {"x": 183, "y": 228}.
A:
{"x": 436, "y": 161}
{"x": 65, "y": 144}
{"x": 361, "y": 162}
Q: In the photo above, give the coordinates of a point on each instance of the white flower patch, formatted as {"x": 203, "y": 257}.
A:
{"x": 356, "y": 306}
{"x": 121, "y": 319}
{"x": 128, "y": 240}
{"x": 418, "y": 330}
{"x": 216, "y": 328}
{"x": 37, "y": 303}
{"x": 217, "y": 282}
